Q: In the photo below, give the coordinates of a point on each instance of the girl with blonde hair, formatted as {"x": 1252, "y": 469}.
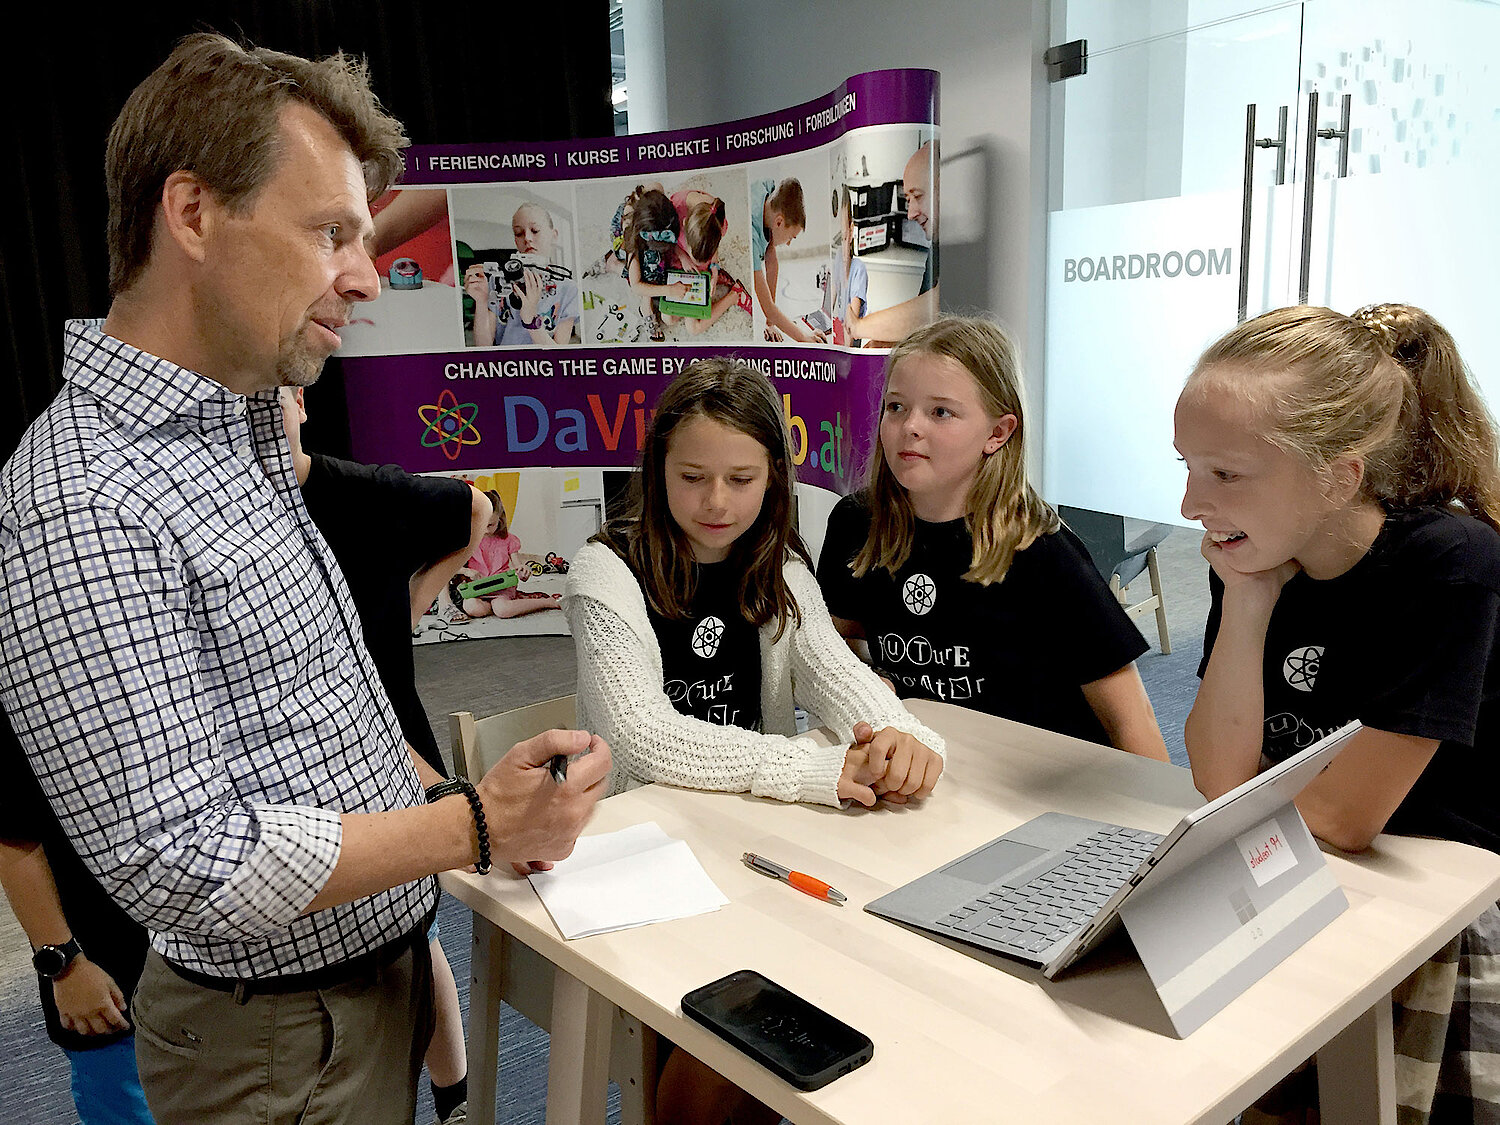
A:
{"x": 959, "y": 576}
{"x": 1344, "y": 471}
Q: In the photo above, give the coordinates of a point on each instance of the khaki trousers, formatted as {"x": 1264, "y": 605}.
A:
{"x": 346, "y": 1055}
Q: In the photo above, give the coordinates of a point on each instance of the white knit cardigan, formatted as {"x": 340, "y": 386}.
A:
{"x": 621, "y": 696}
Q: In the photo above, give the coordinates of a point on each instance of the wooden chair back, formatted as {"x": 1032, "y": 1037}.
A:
{"x": 525, "y": 976}
{"x": 479, "y": 743}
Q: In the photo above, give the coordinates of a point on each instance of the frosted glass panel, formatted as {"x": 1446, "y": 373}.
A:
{"x": 1166, "y": 117}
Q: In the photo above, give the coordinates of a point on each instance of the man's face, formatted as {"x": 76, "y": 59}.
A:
{"x": 921, "y": 199}
{"x": 282, "y": 274}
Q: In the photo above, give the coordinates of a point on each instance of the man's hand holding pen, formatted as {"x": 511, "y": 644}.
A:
{"x": 534, "y": 818}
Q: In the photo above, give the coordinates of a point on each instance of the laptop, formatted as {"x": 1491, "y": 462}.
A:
{"x": 821, "y": 319}
{"x": 1211, "y": 906}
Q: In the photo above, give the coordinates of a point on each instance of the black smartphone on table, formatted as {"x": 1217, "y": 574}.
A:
{"x": 792, "y": 1038}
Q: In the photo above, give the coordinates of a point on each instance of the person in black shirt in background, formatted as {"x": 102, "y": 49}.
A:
{"x": 88, "y": 952}
{"x": 963, "y": 581}
{"x": 398, "y": 539}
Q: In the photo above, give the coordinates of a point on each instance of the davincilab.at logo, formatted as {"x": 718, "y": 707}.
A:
{"x": 449, "y": 424}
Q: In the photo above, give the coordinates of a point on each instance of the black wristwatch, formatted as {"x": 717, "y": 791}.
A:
{"x": 52, "y": 961}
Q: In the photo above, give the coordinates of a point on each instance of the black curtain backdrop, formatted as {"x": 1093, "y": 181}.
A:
{"x": 452, "y": 73}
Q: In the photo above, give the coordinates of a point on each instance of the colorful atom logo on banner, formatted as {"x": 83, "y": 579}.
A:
{"x": 449, "y": 424}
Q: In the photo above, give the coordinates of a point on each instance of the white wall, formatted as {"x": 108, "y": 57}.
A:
{"x": 727, "y": 59}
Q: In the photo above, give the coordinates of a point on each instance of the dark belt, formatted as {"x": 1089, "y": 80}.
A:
{"x": 329, "y": 976}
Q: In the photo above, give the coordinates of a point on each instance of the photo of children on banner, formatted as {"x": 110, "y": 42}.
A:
{"x": 851, "y": 286}
{"x": 540, "y": 518}
{"x": 518, "y": 285}
{"x": 489, "y": 584}
{"x": 849, "y": 294}
{"x": 792, "y": 241}
{"x": 645, "y": 231}
{"x": 778, "y": 214}
{"x": 413, "y": 250}
{"x": 676, "y": 251}
{"x": 891, "y": 176}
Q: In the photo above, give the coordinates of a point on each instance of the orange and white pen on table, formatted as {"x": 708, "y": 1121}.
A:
{"x": 805, "y": 883}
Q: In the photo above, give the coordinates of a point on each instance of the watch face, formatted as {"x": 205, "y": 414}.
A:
{"x": 50, "y": 960}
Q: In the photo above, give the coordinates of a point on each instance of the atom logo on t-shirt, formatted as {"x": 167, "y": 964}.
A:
{"x": 918, "y": 593}
{"x": 1301, "y": 667}
{"x": 706, "y": 637}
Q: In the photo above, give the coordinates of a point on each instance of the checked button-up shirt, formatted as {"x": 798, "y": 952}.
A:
{"x": 185, "y": 670}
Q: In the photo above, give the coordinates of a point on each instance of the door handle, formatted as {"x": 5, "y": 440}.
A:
{"x": 1341, "y": 134}
{"x": 1309, "y": 157}
{"x": 1252, "y": 142}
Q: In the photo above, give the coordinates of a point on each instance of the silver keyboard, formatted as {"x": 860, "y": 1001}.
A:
{"x": 1060, "y": 901}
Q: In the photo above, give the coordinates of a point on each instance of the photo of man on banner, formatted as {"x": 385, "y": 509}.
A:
{"x": 892, "y": 181}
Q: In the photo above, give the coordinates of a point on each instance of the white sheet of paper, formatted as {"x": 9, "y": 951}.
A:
{"x": 618, "y": 880}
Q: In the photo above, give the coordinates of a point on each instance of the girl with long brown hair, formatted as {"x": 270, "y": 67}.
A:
{"x": 694, "y": 614}
{"x": 695, "y": 611}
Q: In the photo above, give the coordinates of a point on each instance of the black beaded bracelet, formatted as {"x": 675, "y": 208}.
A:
{"x": 466, "y": 787}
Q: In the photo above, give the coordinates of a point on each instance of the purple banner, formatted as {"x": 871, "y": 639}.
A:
{"x": 589, "y": 407}
{"x": 537, "y": 298}
{"x": 881, "y": 97}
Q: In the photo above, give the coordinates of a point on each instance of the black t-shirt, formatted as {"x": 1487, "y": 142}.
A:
{"x": 383, "y": 525}
{"x": 1405, "y": 641}
{"x": 711, "y": 658}
{"x": 1020, "y": 648}
{"x": 107, "y": 935}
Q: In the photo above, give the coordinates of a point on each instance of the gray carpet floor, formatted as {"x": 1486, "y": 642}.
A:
{"x": 486, "y": 676}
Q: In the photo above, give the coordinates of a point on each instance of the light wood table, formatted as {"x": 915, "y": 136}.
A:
{"x": 961, "y": 1036}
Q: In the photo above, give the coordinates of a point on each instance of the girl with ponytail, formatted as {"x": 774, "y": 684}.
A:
{"x": 1344, "y": 469}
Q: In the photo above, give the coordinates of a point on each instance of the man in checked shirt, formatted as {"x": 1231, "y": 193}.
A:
{"x": 229, "y": 769}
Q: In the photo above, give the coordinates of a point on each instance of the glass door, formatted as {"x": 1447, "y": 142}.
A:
{"x": 1220, "y": 158}
{"x": 1173, "y": 204}
{"x": 1404, "y": 205}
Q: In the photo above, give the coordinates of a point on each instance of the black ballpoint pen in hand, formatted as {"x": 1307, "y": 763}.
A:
{"x": 805, "y": 883}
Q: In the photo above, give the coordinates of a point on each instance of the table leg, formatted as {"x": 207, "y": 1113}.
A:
{"x": 578, "y": 1062}
{"x": 1357, "y": 1071}
{"x": 485, "y": 987}
{"x": 632, "y": 1065}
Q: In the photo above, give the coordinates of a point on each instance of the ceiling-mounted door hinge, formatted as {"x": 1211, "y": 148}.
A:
{"x": 1067, "y": 60}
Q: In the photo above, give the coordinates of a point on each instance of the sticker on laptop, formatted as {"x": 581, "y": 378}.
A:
{"x": 1266, "y": 852}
